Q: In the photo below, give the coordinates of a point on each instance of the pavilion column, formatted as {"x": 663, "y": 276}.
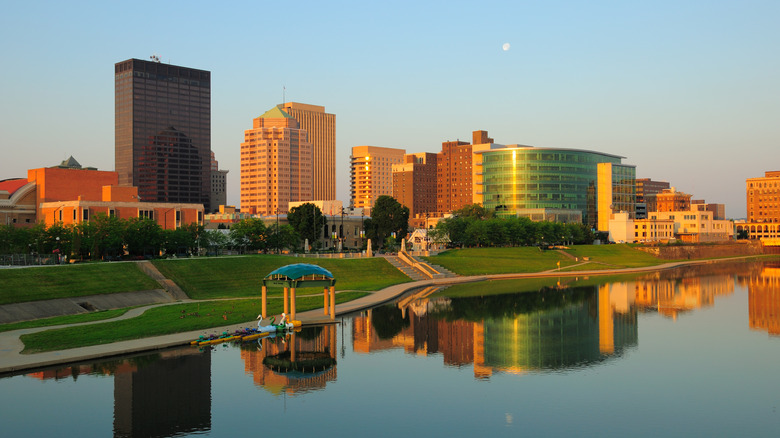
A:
{"x": 292, "y": 303}
{"x": 286, "y": 300}
{"x": 325, "y": 305}
{"x": 264, "y": 296}
{"x": 333, "y": 302}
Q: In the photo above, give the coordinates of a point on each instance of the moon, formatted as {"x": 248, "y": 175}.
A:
{"x": 505, "y": 46}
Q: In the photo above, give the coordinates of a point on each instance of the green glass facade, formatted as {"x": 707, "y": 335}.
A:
{"x": 533, "y": 178}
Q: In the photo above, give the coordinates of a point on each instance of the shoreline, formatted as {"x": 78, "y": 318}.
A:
{"x": 12, "y": 362}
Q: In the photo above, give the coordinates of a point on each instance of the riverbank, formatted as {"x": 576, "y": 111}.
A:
{"x": 12, "y": 361}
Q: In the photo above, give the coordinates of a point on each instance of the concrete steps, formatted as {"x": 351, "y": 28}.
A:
{"x": 445, "y": 272}
{"x": 406, "y": 269}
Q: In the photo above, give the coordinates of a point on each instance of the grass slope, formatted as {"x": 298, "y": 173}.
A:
{"x": 616, "y": 256}
{"x": 61, "y": 320}
{"x": 45, "y": 283}
{"x": 164, "y": 320}
{"x": 480, "y": 261}
{"x": 235, "y": 277}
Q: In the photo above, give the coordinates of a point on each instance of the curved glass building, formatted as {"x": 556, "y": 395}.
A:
{"x": 515, "y": 178}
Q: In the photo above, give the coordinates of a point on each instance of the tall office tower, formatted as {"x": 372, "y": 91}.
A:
{"x": 414, "y": 183}
{"x": 453, "y": 177}
{"x": 162, "y": 131}
{"x": 321, "y": 127}
{"x": 371, "y": 174}
{"x": 763, "y": 197}
{"x": 276, "y": 164}
{"x": 218, "y": 185}
{"x": 615, "y": 192}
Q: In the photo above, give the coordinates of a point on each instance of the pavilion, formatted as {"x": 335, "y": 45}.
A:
{"x": 299, "y": 275}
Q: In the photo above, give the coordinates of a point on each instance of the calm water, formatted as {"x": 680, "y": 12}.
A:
{"x": 692, "y": 352}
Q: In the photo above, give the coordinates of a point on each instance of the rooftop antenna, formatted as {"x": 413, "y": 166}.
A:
{"x": 155, "y": 58}
{"x": 284, "y": 91}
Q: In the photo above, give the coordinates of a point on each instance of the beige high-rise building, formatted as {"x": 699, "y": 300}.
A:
{"x": 276, "y": 164}
{"x": 321, "y": 128}
{"x": 371, "y": 174}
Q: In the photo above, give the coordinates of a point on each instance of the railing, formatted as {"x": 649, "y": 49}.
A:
{"x": 420, "y": 266}
{"x": 27, "y": 260}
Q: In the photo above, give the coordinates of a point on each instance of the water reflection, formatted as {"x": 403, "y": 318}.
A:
{"x": 156, "y": 395}
{"x": 515, "y": 333}
{"x": 563, "y": 325}
{"x": 764, "y": 298}
{"x": 294, "y": 363}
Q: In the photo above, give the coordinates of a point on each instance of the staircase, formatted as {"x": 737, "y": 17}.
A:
{"x": 445, "y": 272}
{"x": 409, "y": 271}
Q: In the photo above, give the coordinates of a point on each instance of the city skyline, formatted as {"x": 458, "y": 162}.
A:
{"x": 685, "y": 91}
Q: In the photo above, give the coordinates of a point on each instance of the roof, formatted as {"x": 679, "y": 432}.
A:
{"x": 276, "y": 113}
{"x": 11, "y": 185}
{"x": 299, "y": 270}
{"x": 70, "y": 163}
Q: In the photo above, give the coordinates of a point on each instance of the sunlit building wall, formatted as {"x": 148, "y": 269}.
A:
{"x": 517, "y": 177}
{"x": 321, "y": 129}
{"x": 276, "y": 164}
{"x": 371, "y": 174}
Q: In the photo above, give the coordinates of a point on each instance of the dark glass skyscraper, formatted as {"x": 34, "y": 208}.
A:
{"x": 162, "y": 132}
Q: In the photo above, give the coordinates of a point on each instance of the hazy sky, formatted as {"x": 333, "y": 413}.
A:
{"x": 687, "y": 91}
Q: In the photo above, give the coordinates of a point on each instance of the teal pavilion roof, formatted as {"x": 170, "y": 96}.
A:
{"x": 300, "y": 275}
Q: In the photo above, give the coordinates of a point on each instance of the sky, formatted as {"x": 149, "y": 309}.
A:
{"x": 687, "y": 91}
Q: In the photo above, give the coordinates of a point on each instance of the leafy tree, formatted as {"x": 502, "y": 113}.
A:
{"x": 388, "y": 216}
{"x": 307, "y": 221}
{"x": 107, "y": 237}
{"x": 250, "y": 234}
{"x": 215, "y": 241}
{"x": 282, "y": 237}
{"x": 143, "y": 237}
{"x": 476, "y": 211}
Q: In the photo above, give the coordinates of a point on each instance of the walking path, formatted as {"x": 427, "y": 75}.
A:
{"x": 11, "y": 359}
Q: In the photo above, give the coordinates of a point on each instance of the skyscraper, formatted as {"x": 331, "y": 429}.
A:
{"x": 371, "y": 174}
{"x": 321, "y": 128}
{"x": 162, "y": 131}
{"x": 276, "y": 164}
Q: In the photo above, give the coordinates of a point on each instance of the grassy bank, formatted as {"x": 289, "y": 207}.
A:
{"x": 165, "y": 320}
{"x": 235, "y": 277}
{"x": 61, "y": 320}
{"x": 45, "y": 283}
{"x": 480, "y": 261}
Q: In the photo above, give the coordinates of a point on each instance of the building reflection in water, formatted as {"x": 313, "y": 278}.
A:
{"x": 158, "y": 395}
{"x": 764, "y": 298}
{"x": 294, "y": 363}
{"x": 562, "y": 326}
{"x": 515, "y": 333}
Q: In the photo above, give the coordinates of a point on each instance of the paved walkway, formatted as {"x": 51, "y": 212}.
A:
{"x": 11, "y": 359}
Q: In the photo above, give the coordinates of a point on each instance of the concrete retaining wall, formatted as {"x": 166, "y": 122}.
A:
{"x": 685, "y": 252}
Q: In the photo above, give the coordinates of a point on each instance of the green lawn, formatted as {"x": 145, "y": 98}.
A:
{"x": 45, "y": 283}
{"x": 480, "y": 261}
{"x": 500, "y": 287}
{"x": 616, "y": 256}
{"x": 68, "y": 319}
{"x": 164, "y": 320}
{"x": 234, "y": 277}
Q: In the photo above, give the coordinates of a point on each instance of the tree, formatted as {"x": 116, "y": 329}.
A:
{"x": 215, "y": 241}
{"x": 250, "y": 234}
{"x": 476, "y": 211}
{"x": 388, "y": 216}
{"x": 282, "y": 237}
{"x": 143, "y": 237}
{"x": 108, "y": 234}
{"x": 307, "y": 221}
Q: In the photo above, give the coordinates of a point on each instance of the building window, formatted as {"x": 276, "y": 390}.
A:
{"x": 85, "y": 214}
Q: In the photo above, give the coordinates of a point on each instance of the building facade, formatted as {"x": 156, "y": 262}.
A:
{"x": 615, "y": 192}
{"x": 162, "y": 128}
{"x": 763, "y": 198}
{"x": 371, "y": 174}
{"x": 276, "y": 164}
{"x": 670, "y": 200}
{"x": 414, "y": 183}
{"x": 218, "y": 185}
{"x": 518, "y": 178}
{"x": 17, "y": 202}
{"x": 321, "y": 129}
{"x": 454, "y": 176}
